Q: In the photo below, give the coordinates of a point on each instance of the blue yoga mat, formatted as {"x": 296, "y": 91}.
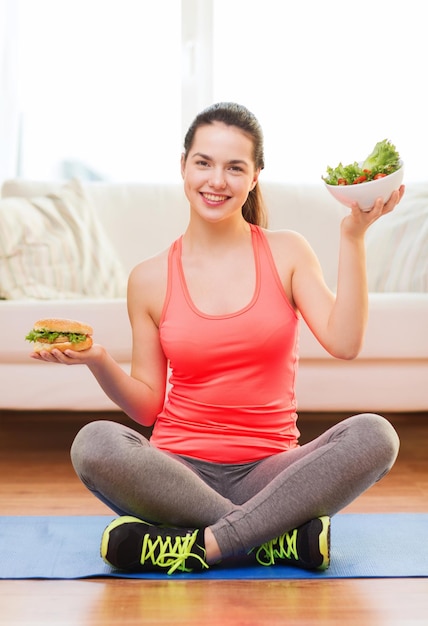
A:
{"x": 362, "y": 546}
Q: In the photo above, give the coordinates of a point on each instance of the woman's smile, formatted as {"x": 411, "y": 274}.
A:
{"x": 213, "y": 198}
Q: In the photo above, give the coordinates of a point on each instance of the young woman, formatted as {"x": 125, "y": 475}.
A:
{"x": 223, "y": 475}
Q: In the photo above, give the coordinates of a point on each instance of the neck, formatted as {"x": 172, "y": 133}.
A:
{"x": 204, "y": 236}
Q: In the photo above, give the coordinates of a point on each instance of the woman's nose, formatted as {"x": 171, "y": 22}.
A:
{"x": 217, "y": 179}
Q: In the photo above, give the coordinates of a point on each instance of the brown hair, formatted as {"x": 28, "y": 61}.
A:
{"x": 232, "y": 114}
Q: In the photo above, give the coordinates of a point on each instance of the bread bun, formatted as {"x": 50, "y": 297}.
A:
{"x": 63, "y": 346}
{"x": 61, "y": 325}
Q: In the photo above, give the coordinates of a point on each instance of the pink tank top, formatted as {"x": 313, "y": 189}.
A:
{"x": 232, "y": 386}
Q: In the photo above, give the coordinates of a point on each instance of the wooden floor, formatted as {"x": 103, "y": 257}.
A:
{"x": 36, "y": 478}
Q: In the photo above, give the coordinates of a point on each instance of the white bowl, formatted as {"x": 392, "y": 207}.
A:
{"x": 367, "y": 193}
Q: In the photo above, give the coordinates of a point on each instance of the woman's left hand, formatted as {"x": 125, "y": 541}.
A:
{"x": 358, "y": 221}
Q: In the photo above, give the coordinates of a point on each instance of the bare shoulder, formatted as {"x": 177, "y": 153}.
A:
{"x": 147, "y": 285}
{"x": 286, "y": 244}
{"x": 150, "y": 269}
{"x": 284, "y": 235}
{"x": 292, "y": 255}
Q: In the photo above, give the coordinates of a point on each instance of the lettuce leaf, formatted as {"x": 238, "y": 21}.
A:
{"x": 49, "y": 336}
{"x": 383, "y": 160}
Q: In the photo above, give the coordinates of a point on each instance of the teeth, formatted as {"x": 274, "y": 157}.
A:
{"x": 214, "y": 198}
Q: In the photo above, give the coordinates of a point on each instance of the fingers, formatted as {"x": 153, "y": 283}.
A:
{"x": 56, "y": 356}
{"x": 70, "y": 357}
{"x": 394, "y": 200}
{"x": 380, "y": 207}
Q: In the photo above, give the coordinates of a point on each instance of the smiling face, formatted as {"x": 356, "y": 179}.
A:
{"x": 219, "y": 171}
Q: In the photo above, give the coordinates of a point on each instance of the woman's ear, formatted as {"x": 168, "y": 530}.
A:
{"x": 183, "y": 164}
{"x": 255, "y": 179}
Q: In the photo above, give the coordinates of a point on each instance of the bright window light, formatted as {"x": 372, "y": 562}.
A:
{"x": 102, "y": 84}
{"x": 100, "y": 89}
{"x": 327, "y": 80}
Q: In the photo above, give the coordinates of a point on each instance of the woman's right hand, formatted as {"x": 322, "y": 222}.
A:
{"x": 92, "y": 356}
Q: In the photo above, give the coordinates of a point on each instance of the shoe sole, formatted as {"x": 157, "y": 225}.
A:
{"x": 324, "y": 542}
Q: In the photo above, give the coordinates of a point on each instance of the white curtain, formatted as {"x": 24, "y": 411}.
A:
{"x": 9, "y": 106}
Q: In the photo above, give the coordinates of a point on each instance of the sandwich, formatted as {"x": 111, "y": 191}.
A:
{"x": 60, "y": 334}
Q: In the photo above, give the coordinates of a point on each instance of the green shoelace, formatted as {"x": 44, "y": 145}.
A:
{"x": 283, "y": 547}
{"x": 171, "y": 553}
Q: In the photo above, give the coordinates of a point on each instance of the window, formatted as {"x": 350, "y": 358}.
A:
{"x": 327, "y": 79}
{"x": 100, "y": 89}
{"x": 107, "y": 89}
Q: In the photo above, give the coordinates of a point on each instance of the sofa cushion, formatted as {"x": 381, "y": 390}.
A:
{"x": 140, "y": 219}
{"x": 397, "y": 246}
{"x": 54, "y": 246}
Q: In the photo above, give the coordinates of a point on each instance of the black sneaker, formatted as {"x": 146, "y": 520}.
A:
{"x": 131, "y": 544}
{"x": 307, "y": 546}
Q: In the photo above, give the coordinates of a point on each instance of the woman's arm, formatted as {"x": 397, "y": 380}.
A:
{"x": 142, "y": 393}
{"x": 339, "y": 321}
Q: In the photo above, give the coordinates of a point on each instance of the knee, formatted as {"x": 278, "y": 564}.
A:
{"x": 102, "y": 445}
{"x": 91, "y": 445}
{"x": 381, "y": 436}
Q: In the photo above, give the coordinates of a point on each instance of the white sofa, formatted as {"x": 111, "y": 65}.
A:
{"x": 391, "y": 373}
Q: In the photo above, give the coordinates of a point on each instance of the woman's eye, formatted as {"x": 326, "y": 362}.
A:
{"x": 202, "y": 163}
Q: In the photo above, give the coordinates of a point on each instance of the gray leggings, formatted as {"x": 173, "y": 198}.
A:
{"x": 245, "y": 504}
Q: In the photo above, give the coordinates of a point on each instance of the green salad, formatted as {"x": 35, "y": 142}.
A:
{"x": 383, "y": 160}
{"x": 50, "y": 336}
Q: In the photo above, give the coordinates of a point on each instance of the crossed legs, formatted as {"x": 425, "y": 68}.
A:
{"x": 270, "y": 497}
